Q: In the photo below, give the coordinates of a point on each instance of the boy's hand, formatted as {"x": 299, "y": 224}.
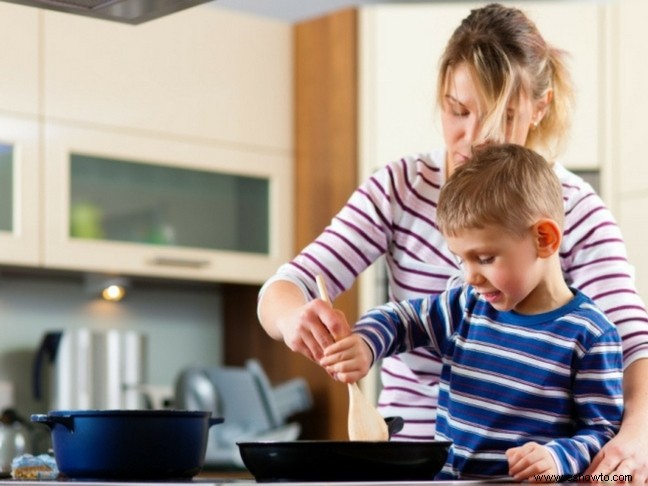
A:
{"x": 530, "y": 460}
{"x": 347, "y": 360}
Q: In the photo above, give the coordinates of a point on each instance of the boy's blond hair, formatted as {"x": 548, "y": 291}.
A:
{"x": 503, "y": 184}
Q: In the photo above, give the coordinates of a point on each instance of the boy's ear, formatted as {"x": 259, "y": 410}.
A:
{"x": 548, "y": 236}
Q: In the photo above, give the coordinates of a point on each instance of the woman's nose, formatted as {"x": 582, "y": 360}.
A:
{"x": 472, "y": 130}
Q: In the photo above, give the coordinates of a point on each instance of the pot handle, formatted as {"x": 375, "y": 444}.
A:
{"x": 215, "y": 420}
{"x": 51, "y": 420}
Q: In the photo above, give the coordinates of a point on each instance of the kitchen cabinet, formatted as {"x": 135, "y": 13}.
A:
{"x": 325, "y": 73}
{"x": 205, "y": 73}
{"x": 198, "y": 99}
{"x": 130, "y": 204}
{"x": 19, "y": 59}
{"x": 19, "y": 194}
{"x": 627, "y": 178}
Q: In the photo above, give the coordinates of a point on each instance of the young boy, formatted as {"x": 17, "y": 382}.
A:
{"x": 532, "y": 369}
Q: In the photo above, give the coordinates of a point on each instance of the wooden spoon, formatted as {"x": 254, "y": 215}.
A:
{"x": 365, "y": 423}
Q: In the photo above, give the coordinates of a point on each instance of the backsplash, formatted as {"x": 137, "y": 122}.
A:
{"x": 183, "y": 324}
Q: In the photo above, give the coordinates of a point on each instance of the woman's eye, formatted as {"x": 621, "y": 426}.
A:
{"x": 486, "y": 260}
{"x": 456, "y": 109}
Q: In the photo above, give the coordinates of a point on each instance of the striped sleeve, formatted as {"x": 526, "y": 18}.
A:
{"x": 403, "y": 326}
{"x": 598, "y": 397}
{"x": 594, "y": 260}
{"x": 392, "y": 213}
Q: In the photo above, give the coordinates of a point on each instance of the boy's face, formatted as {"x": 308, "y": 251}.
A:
{"x": 504, "y": 268}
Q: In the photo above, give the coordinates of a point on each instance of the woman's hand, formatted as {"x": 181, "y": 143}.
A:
{"x": 306, "y": 327}
{"x": 348, "y": 360}
{"x": 625, "y": 454}
{"x": 529, "y": 461}
{"x": 313, "y": 327}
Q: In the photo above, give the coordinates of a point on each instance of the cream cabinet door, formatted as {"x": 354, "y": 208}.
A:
{"x": 20, "y": 191}
{"x": 203, "y": 73}
{"x": 400, "y": 49}
{"x": 19, "y": 59}
{"x": 629, "y": 166}
{"x": 129, "y": 204}
{"x": 630, "y": 103}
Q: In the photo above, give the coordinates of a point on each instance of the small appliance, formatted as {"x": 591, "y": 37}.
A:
{"x": 253, "y": 409}
{"x": 91, "y": 369}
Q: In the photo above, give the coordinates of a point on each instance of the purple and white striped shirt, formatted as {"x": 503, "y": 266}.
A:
{"x": 393, "y": 214}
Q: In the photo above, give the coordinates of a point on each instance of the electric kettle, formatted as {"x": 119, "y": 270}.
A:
{"x": 91, "y": 369}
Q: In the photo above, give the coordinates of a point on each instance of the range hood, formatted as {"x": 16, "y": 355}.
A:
{"x": 126, "y": 11}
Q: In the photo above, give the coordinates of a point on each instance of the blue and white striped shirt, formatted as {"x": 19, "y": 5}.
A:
{"x": 507, "y": 379}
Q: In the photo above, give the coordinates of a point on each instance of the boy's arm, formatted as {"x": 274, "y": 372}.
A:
{"x": 598, "y": 398}
{"x": 382, "y": 331}
{"x": 402, "y": 326}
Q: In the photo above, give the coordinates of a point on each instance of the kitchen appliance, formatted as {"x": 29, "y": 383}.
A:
{"x": 91, "y": 369}
{"x": 126, "y": 11}
{"x": 312, "y": 460}
{"x": 128, "y": 444}
{"x": 253, "y": 409}
{"x": 15, "y": 439}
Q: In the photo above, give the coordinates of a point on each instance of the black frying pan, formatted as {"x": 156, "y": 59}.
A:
{"x": 313, "y": 460}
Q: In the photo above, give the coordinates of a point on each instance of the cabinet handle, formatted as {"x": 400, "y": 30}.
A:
{"x": 179, "y": 262}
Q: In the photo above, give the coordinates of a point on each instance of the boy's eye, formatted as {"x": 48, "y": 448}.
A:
{"x": 486, "y": 260}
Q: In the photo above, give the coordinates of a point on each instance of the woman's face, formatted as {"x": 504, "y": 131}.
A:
{"x": 462, "y": 112}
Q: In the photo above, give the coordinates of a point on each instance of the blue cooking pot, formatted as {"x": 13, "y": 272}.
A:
{"x": 128, "y": 444}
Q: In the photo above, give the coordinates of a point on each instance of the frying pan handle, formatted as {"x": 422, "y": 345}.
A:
{"x": 394, "y": 425}
{"x": 51, "y": 420}
{"x": 215, "y": 420}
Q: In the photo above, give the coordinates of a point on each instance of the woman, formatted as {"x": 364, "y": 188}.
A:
{"x": 498, "y": 81}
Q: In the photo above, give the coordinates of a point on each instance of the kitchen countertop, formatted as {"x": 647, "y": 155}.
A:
{"x": 242, "y": 482}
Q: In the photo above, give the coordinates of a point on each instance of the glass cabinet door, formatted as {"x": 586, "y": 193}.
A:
{"x": 132, "y": 204}
{"x": 135, "y": 202}
{"x": 6, "y": 187}
{"x": 19, "y": 191}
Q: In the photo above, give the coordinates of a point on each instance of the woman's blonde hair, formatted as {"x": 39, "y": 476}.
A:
{"x": 502, "y": 184}
{"x": 507, "y": 56}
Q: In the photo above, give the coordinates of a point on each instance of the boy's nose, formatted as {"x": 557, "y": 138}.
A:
{"x": 473, "y": 277}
